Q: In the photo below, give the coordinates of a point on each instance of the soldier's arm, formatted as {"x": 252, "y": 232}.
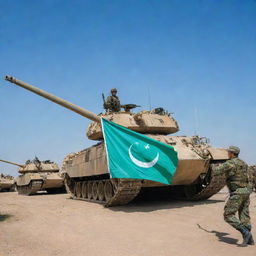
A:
{"x": 223, "y": 168}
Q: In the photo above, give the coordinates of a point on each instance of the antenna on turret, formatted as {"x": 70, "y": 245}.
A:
{"x": 149, "y": 98}
{"x": 195, "y": 121}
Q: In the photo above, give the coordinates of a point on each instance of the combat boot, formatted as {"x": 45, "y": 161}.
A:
{"x": 251, "y": 240}
{"x": 247, "y": 236}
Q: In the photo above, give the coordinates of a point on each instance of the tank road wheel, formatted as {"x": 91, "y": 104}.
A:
{"x": 95, "y": 190}
{"x": 23, "y": 190}
{"x": 69, "y": 185}
{"x": 115, "y": 183}
{"x": 28, "y": 189}
{"x": 84, "y": 190}
{"x": 78, "y": 189}
{"x": 89, "y": 190}
{"x": 101, "y": 195}
{"x": 108, "y": 190}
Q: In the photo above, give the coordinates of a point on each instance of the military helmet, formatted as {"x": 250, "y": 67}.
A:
{"x": 234, "y": 149}
{"x": 113, "y": 90}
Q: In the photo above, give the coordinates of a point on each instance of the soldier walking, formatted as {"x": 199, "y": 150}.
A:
{"x": 239, "y": 184}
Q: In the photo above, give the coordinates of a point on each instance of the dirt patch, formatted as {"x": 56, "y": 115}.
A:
{"x": 54, "y": 225}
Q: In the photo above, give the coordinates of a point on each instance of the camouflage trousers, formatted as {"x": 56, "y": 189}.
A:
{"x": 238, "y": 203}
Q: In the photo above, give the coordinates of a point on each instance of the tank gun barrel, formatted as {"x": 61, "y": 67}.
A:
{"x": 8, "y": 162}
{"x": 51, "y": 97}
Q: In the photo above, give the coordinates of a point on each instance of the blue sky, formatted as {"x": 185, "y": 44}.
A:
{"x": 189, "y": 56}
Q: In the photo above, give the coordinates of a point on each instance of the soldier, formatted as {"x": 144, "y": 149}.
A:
{"x": 239, "y": 185}
{"x": 113, "y": 103}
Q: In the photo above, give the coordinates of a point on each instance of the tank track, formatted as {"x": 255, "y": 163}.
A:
{"x": 10, "y": 189}
{"x": 31, "y": 188}
{"x": 109, "y": 192}
{"x": 210, "y": 185}
{"x": 113, "y": 192}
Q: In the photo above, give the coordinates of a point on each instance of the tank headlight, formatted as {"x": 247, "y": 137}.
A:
{"x": 206, "y": 152}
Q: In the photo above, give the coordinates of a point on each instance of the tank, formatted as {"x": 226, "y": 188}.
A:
{"x": 86, "y": 172}
{"x": 6, "y": 183}
{"x": 38, "y": 175}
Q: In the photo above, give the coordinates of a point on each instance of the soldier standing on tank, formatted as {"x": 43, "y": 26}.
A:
{"x": 112, "y": 103}
{"x": 239, "y": 184}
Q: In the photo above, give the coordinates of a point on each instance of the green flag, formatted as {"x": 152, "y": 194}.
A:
{"x": 136, "y": 156}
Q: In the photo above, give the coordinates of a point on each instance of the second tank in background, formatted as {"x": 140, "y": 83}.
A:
{"x": 6, "y": 183}
{"x": 38, "y": 175}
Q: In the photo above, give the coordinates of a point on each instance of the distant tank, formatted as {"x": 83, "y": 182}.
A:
{"x": 38, "y": 175}
{"x": 6, "y": 183}
{"x": 86, "y": 172}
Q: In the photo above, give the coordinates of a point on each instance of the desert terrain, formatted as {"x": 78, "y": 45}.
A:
{"x": 55, "y": 225}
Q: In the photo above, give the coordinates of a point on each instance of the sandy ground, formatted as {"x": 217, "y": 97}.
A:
{"x": 49, "y": 225}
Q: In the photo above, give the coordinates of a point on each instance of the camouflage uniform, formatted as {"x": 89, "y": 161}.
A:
{"x": 238, "y": 182}
{"x": 253, "y": 176}
{"x": 112, "y": 103}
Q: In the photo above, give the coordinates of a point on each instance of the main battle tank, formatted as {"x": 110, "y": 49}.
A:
{"x": 6, "y": 183}
{"x": 38, "y": 175}
{"x": 86, "y": 172}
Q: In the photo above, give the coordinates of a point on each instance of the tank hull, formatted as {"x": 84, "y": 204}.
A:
{"x": 7, "y": 185}
{"x": 88, "y": 168}
{"x": 31, "y": 183}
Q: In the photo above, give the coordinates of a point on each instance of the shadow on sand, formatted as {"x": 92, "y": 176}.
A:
{"x": 148, "y": 204}
{"x": 44, "y": 192}
{"x": 4, "y": 217}
{"x": 222, "y": 236}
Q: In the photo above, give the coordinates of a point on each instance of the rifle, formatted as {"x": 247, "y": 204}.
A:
{"x": 104, "y": 102}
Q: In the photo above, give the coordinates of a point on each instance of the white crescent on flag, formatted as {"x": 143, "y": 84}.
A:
{"x": 140, "y": 163}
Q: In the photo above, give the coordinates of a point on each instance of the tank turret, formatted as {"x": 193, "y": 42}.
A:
{"x": 35, "y": 166}
{"x": 156, "y": 121}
